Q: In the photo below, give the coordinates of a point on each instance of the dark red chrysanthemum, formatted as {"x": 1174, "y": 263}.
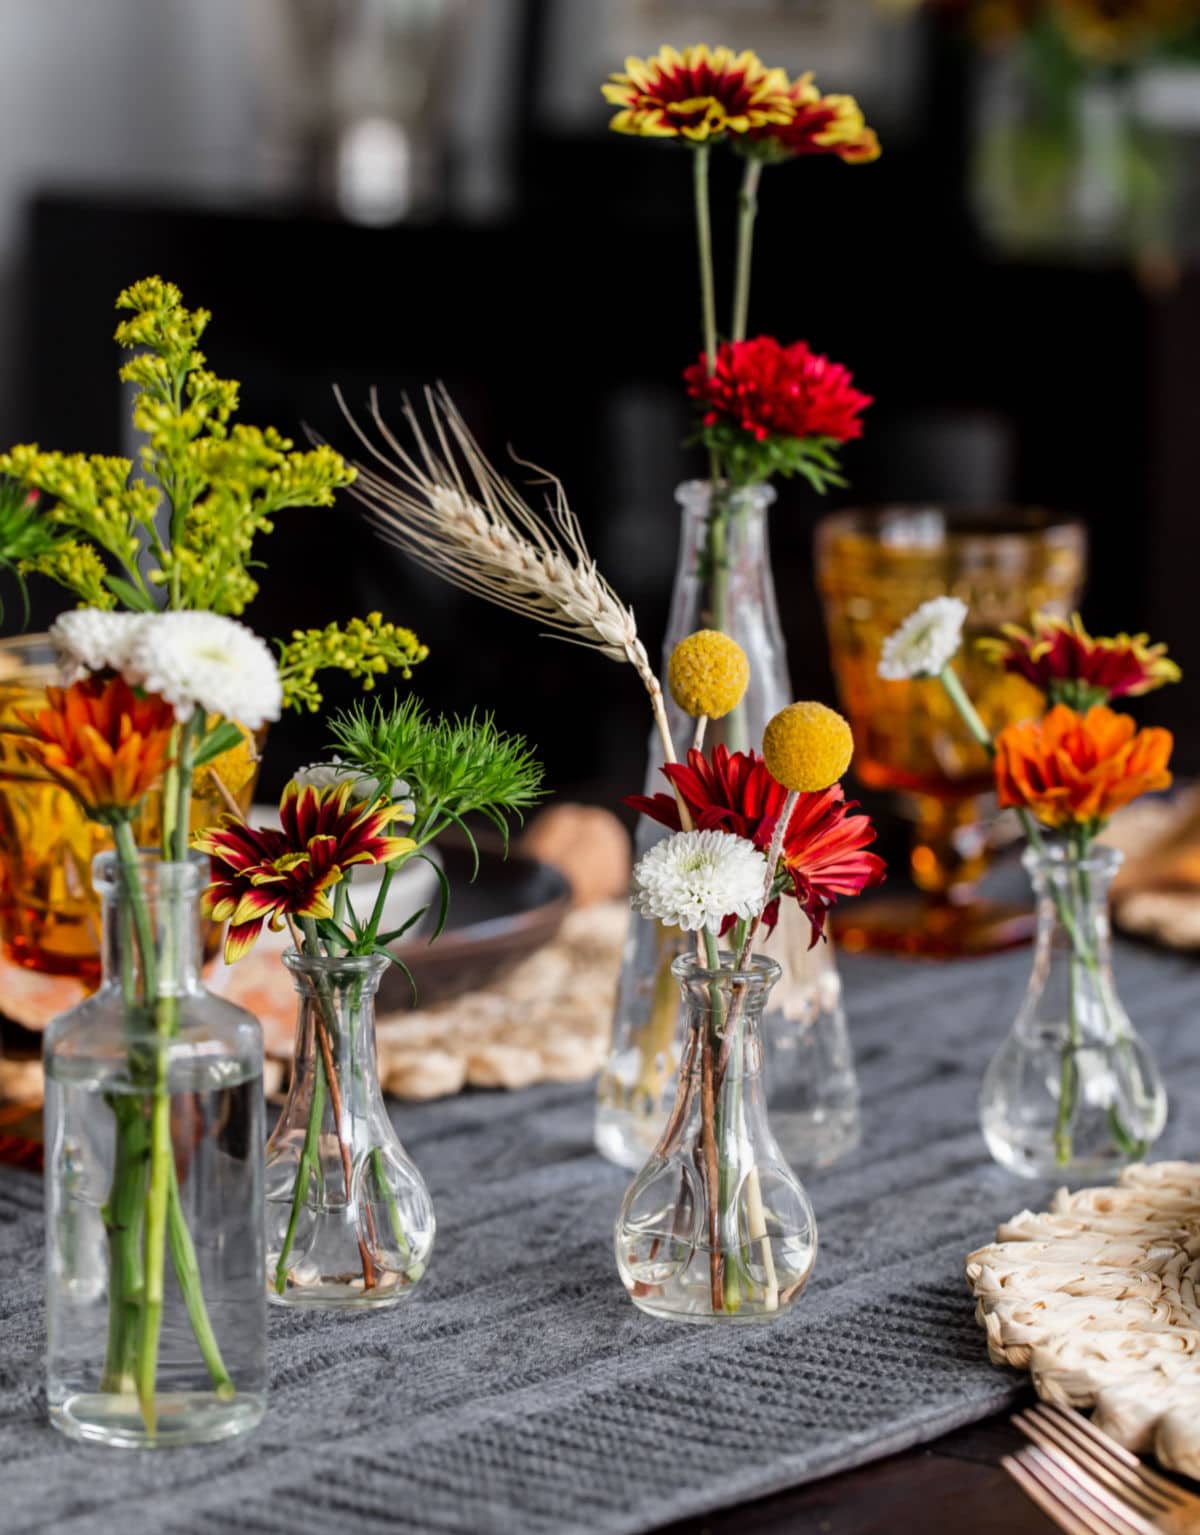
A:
{"x": 824, "y": 848}
{"x": 767, "y": 388}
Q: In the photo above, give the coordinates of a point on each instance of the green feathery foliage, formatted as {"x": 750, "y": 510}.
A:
{"x": 453, "y": 767}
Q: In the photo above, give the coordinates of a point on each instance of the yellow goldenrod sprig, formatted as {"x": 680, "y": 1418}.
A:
{"x": 365, "y": 648}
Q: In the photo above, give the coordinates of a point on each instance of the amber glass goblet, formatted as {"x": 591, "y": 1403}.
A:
{"x": 873, "y": 569}
{"x": 49, "y": 912}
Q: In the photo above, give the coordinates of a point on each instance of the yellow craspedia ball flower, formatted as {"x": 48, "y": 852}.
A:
{"x": 707, "y": 674}
{"x": 807, "y": 747}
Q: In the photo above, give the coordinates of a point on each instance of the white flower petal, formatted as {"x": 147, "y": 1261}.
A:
{"x": 92, "y": 640}
{"x": 205, "y": 660}
{"x": 927, "y": 640}
{"x": 695, "y": 879}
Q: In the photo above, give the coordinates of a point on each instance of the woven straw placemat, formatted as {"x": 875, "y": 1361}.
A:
{"x": 1096, "y": 1298}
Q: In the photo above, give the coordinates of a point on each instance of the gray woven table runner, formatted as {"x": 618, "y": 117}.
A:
{"x": 521, "y": 1391}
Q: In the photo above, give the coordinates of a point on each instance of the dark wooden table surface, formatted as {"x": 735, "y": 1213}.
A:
{"x": 953, "y": 1485}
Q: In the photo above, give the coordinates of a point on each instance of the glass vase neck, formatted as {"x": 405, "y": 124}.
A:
{"x": 156, "y": 901}
{"x": 337, "y": 1014}
{"x": 1072, "y": 890}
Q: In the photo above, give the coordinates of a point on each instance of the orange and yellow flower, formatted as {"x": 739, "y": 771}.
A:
{"x": 819, "y": 125}
{"x": 698, "y": 95}
{"x": 105, "y": 743}
{"x": 264, "y": 874}
{"x": 1071, "y": 666}
{"x": 1074, "y": 769}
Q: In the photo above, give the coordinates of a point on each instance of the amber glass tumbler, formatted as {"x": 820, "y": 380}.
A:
{"x": 873, "y": 569}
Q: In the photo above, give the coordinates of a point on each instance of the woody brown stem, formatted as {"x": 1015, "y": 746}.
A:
{"x": 227, "y": 798}
{"x": 335, "y": 1103}
{"x": 711, "y": 1178}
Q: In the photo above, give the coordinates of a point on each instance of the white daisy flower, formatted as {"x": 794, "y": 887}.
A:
{"x": 91, "y": 640}
{"x": 205, "y": 660}
{"x": 324, "y": 775}
{"x": 925, "y": 642}
{"x": 695, "y": 879}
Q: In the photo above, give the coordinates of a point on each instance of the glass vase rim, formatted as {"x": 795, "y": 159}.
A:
{"x": 696, "y": 495}
{"x": 333, "y": 964}
{"x": 1055, "y": 854}
{"x": 763, "y": 970}
{"x": 187, "y": 877}
{"x": 991, "y": 520}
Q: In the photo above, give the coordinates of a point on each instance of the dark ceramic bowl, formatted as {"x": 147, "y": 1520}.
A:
{"x": 510, "y": 910}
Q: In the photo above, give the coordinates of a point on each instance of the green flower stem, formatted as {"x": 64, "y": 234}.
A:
{"x": 325, "y": 1027}
{"x": 122, "y": 1216}
{"x": 308, "y": 1168}
{"x": 708, "y": 301}
{"x": 714, "y": 1150}
{"x": 187, "y": 1273}
{"x": 747, "y": 212}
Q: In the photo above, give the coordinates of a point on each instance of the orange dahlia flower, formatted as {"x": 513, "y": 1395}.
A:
{"x": 819, "y": 125}
{"x": 1074, "y": 769}
{"x": 697, "y": 95}
{"x": 105, "y": 743}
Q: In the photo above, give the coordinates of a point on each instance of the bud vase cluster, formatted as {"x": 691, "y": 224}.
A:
{"x": 749, "y": 831}
{"x": 1064, "y": 774}
{"x": 162, "y": 686}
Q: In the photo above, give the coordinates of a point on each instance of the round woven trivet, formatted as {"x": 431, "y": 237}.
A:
{"x": 1096, "y": 1298}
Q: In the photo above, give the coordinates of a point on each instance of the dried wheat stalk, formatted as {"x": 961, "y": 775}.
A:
{"x": 451, "y": 509}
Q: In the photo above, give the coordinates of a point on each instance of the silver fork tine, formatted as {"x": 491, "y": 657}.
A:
{"x": 1047, "y": 1501}
{"x": 1048, "y": 1431}
{"x": 1088, "y": 1506}
{"x": 1083, "y": 1429}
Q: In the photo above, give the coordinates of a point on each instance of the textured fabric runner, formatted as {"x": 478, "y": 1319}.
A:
{"x": 520, "y": 1390}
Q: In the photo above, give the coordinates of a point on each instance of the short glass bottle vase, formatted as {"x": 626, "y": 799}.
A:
{"x": 717, "y": 1227}
{"x": 350, "y": 1222}
{"x": 156, "y": 1321}
{"x": 1073, "y": 1091}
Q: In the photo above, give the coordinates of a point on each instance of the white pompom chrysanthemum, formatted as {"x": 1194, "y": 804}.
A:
{"x": 324, "y": 775}
{"x": 695, "y": 879}
{"x": 203, "y": 660}
{"x": 91, "y": 640}
{"x": 927, "y": 640}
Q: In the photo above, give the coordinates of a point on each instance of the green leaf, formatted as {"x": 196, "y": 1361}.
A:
{"x": 129, "y": 594}
{"x": 400, "y": 965}
{"x": 399, "y": 932}
{"x": 220, "y": 739}
{"x": 443, "y": 893}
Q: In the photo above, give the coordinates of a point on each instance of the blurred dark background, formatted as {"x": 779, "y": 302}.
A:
{"x": 390, "y": 192}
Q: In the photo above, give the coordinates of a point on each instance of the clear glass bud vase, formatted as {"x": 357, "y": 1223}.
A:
{"x": 717, "y": 1227}
{"x": 156, "y": 1321}
{"x": 1072, "y": 1091}
{"x": 723, "y": 581}
{"x": 349, "y": 1219}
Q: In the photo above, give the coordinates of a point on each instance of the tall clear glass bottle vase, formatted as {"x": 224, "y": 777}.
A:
{"x": 723, "y": 581}
{"x": 156, "y": 1318}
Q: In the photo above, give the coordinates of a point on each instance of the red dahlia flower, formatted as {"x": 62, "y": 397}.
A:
{"x": 1071, "y": 666}
{"x": 264, "y": 873}
{"x": 767, "y": 389}
{"x": 823, "y": 850}
{"x": 820, "y": 125}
